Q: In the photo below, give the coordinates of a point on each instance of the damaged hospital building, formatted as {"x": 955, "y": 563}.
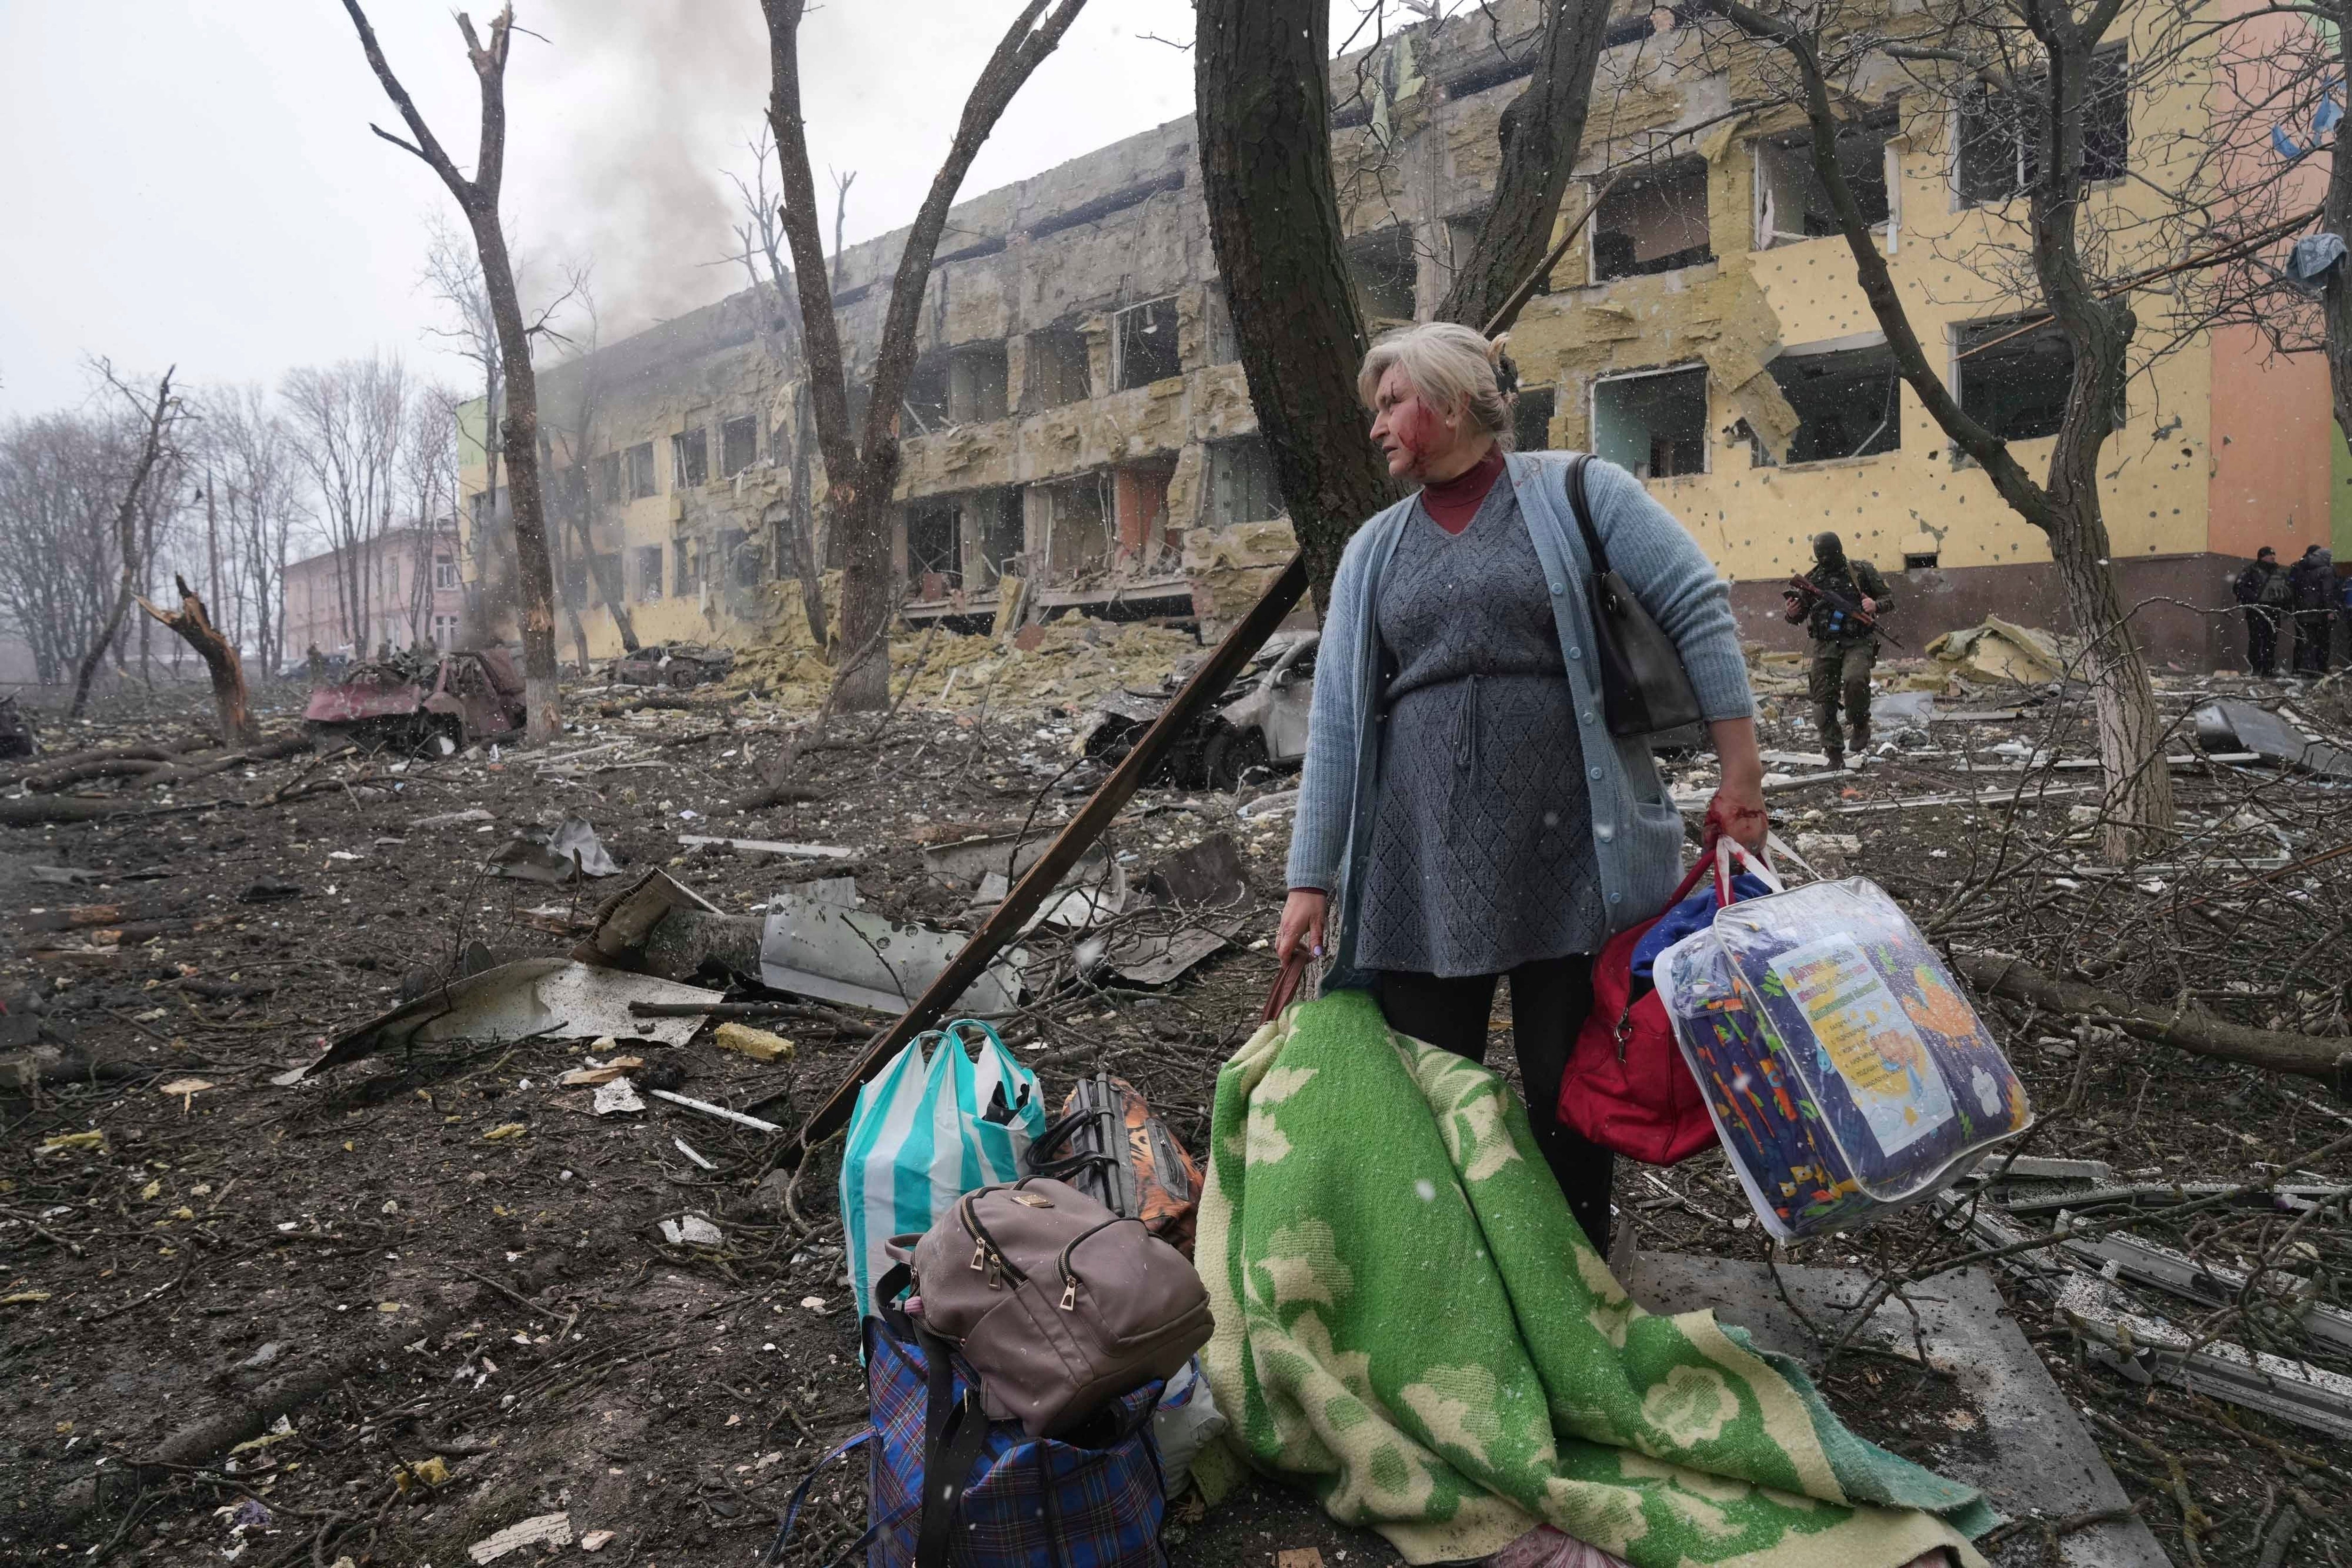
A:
{"x": 1078, "y": 431}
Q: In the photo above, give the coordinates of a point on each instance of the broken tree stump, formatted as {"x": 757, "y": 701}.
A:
{"x": 194, "y": 626}
{"x": 2310, "y": 1056}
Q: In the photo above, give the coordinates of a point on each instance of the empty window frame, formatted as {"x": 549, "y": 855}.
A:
{"x": 2014, "y": 382}
{"x": 1053, "y": 370}
{"x": 609, "y": 479}
{"x": 1652, "y": 222}
{"x": 1793, "y": 204}
{"x": 1143, "y": 345}
{"x": 1242, "y": 487}
{"x": 2000, "y": 133}
{"x": 1531, "y": 415}
{"x": 1382, "y": 266}
{"x": 934, "y": 548}
{"x": 1920, "y": 560}
{"x": 976, "y": 376}
{"x": 1848, "y": 404}
{"x": 649, "y": 573}
{"x": 926, "y": 395}
{"x": 690, "y": 456}
{"x": 992, "y": 530}
{"x": 686, "y": 571}
{"x": 1075, "y": 516}
{"x": 1652, "y": 423}
{"x": 739, "y": 444}
{"x": 641, "y": 470}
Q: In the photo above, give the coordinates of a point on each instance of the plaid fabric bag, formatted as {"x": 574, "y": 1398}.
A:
{"x": 1092, "y": 1499}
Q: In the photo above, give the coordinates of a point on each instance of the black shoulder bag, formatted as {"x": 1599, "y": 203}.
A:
{"x": 1642, "y": 676}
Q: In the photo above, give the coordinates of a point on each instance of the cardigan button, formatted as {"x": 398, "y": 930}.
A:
{"x": 1616, "y": 898}
{"x": 1605, "y": 832}
{"x": 1594, "y": 772}
{"x": 1558, "y": 590}
{"x": 1576, "y": 652}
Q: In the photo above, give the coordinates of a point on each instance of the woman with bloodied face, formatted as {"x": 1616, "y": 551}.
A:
{"x": 1463, "y": 798}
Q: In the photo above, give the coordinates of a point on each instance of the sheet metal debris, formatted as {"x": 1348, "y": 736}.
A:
{"x": 567, "y": 851}
{"x": 822, "y": 951}
{"x": 531, "y": 997}
{"x": 2293, "y": 1391}
{"x": 2232, "y": 726}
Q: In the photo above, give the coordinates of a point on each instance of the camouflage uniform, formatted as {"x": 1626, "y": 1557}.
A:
{"x": 1844, "y": 649}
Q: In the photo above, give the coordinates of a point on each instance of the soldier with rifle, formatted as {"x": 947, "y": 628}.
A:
{"x": 1840, "y": 601}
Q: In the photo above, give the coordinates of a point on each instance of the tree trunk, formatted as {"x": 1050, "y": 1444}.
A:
{"x": 126, "y": 537}
{"x": 2334, "y": 214}
{"x": 1274, "y": 220}
{"x": 868, "y": 599}
{"x": 1540, "y": 133}
{"x": 518, "y": 434}
{"x": 808, "y": 563}
{"x": 195, "y": 627}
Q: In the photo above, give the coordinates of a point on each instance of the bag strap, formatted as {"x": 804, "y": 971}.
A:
{"x": 1581, "y": 504}
{"x": 1758, "y": 865}
{"x": 1285, "y": 986}
{"x": 775, "y": 1553}
{"x": 954, "y": 1433}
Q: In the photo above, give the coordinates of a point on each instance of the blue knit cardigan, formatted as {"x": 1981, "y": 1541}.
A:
{"x": 1637, "y": 832}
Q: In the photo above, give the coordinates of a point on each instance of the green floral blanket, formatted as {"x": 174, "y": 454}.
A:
{"x": 1410, "y": 1322}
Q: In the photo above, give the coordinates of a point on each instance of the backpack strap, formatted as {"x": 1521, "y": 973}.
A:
{"x": 775, "y": 1553}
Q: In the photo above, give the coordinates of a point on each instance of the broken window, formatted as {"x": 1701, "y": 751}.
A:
{"x": 934, "y": 549}
{"x": 1382, "y": 266}
{"x": 1144, "y": 345}
{"x": 739, "y": 444}
{"x": 686, "y": 567}
{"x": 690, "y": 456}
{"x": 926, "y": 395}
{"x": 1075, "y": 518}
{"x": 1054, "y": 370}
{"x": 1242, "y": 487}
{"x": 1652, "y": 223}
{"x": 2014, "y": 378}
{"x": 649, "y": 573}
{"x": 1531, "y": 413}
{"x": 1920, "y": 560}
{"x": 1792, "y": 203}
{"x": 2000, "y": 139}
{"x": 976, "y": 374}
{"x": 445, "y": 572}
{"x": 608, "y": 478}
{"x": 1848, "y": 404}
{"x": 641, "y": 470}
{"x": 993, "y": 531}
{"x": 1653, "y": 423}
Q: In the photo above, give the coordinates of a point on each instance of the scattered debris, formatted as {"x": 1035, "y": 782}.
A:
{"x": 677, "y": 664}
{"x": 556, "y": 855}
{"x": 721, "y": 1112}
{"x": 1996, "y": 650}
{"x": 460, "y": 700}
{"x": 770, "y": 847}
{"x": 691, "y": 1153}
{"x": 2236, "y": 726}
{"x": 617, "y": 1098}
{"x": 453, "y": 819}
{"x": 867, "y": 960}
{"x": 546, "y": 1530}
{"x": 756, "y": 1043}
{"x": 17, "y": 737}
{"x": 1259, "y": 724}
{"x": 691, "y": 1230}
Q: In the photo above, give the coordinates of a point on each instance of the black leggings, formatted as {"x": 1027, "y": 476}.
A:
{"x": 1548, "y": 1001}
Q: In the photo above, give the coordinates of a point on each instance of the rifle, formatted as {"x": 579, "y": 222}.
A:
{"x": 1800, "y": 584}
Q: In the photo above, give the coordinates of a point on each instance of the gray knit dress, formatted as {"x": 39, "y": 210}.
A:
{"x": 1480, "y": 855}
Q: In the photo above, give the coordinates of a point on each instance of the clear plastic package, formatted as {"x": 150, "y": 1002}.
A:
{"x": 1845, "y": 1071}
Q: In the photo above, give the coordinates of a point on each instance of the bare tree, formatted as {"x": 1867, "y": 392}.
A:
{"x": 159, "y": 415}
{"x": 253, "y": 473}
{"x": 861, "y": 466}
{"x": 2032, "y": 69}
{"x": 430, "y": 497}
{"x": 776, "y": 308}
{"x": 350, "y": 424}
{"x": 62, "y": 477}
{"x": 477, "y": 198}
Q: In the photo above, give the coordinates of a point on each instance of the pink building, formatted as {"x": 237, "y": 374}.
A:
{"x": 400, "y": 589}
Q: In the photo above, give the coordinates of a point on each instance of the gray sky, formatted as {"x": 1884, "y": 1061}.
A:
{"x": 194, "y": 181}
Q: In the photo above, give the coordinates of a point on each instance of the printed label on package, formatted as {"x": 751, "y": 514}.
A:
{"x": 1861, "y": 1027}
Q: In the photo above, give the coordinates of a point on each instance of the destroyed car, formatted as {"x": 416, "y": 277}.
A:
{"x": 1257, "y": 726}
{"x": 456, "y": 700}
{"x": 673, "y": 665}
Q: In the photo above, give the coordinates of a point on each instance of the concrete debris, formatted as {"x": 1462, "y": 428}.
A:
{"x": 691, "y": 1230}
{"x": 567, "y": 851}
{"x": 1280, "y": 803}
{"x": 617, "y": 1098}
{"x": 1995, "y": 650}
{"x": 546, "y": 1530}
{"x": 452, "y": 819}
{"x": 532, "y": 996}
{"x": 756, "y": 1043}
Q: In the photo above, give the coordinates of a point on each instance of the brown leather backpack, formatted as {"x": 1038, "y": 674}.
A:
{"x": 1057, "y": 1302}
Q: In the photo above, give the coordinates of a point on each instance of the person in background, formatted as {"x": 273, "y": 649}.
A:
{"x": 2262, "y": 589}
{"x": 1844, "y": 647}
{"x": 2312, "y": 582}
{"x": 1463, "y": 796}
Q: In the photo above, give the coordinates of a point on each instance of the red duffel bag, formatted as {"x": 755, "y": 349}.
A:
{"x": 1627, "y": 1087}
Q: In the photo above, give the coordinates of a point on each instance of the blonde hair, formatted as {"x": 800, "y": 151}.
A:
{"x": 1452, "y": 366}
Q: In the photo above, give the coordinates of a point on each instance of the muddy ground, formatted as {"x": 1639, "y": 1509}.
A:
{"x": 442, "y": 1255}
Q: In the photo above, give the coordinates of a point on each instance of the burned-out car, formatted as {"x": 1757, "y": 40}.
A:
{"x": 673, "y": 665}
{"x": 1259, "y": 724}
{"x": 455, "y": 700}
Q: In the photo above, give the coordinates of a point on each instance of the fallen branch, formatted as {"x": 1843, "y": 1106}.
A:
{"x": 2274, "y": 1050}
{"x": 146, "y": 771}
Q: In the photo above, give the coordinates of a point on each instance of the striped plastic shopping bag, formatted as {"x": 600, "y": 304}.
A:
{"x": 930, "y": 1129}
